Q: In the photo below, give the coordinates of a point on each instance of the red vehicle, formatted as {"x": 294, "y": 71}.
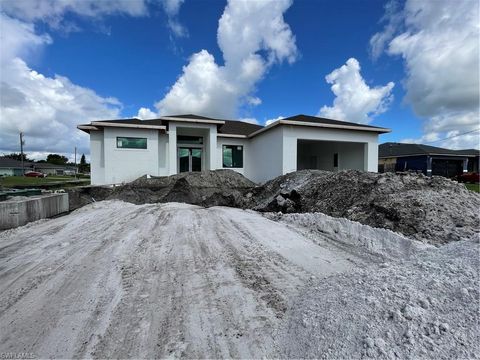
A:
{"x": 471, "y": 177}
{"x": 35, "y": 174}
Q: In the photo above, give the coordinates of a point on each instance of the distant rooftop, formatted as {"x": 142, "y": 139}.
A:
{"x": 392, "y": 149}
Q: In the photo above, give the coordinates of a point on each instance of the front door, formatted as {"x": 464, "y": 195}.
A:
{"x": 189, "y": 159}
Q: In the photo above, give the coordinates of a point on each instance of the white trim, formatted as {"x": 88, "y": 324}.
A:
{"x": 192, "y": 120}
{"x": 125, "y": 125}
{"x": 312, "y": 124}
{"x": 232, "y": 136}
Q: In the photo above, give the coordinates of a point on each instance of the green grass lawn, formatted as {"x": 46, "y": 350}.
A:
{"x": 12, "y": 181}
{"x": 473, "y": 187}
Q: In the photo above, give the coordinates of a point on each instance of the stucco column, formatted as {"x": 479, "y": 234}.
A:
{"x": 212, "y": 148}
{"x": 370, "y": 156}
{"x": 289, "y": 150}
{"x": 172, "y": 149}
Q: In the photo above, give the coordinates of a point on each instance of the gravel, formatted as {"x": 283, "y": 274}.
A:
{"x": 423, "y": 308}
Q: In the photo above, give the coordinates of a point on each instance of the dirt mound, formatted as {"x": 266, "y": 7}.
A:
{"x": 424, "y": 308}
{"x": 207, "y": 188}
{"x": 432, "y": 209}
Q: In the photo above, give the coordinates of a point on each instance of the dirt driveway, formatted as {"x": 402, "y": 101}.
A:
{"x": 115, "y": 279}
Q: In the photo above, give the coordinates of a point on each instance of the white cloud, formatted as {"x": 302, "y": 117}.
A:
{"x": 271, "y": 121}
{"x": 354, "y": 100}
{"x": 172, "y": 8}
{"x": 18, "y": 38}
{"x": 252, "y": 36}
{"x": 46, "y": 109}
{"x": 53, "y": 11}
{"x": 439, "y": 42}
{"x": 393, "y": 18}
{"x": 145, "y": 114}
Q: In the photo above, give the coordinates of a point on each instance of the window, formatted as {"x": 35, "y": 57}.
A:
{"x": 232, "y": 156}
{"x": 335, "y": 160}
{"x": 184, "y": 139}
{"x": 131, "y": 143}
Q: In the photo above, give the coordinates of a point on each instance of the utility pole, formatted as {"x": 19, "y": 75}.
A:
{"x": 21, "y": 152}
{"x": 75, "y": 162}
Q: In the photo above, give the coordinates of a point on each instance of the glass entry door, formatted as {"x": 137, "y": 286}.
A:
{"x": 189, "y": 159}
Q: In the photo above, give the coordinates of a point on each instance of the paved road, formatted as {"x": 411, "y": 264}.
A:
{"x": 115, "y": 279}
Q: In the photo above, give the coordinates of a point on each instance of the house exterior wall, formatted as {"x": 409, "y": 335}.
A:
{"x": 265, "y": 156}
{"x": 8, "y": 171}
{"x": 232, "y": 141}
{"x": 97, "y": 158}
{"x": 122, "y": 165}
{"x": 266, "y": 150}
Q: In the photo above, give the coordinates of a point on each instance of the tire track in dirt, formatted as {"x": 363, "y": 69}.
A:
{"x": 153, "y": 281}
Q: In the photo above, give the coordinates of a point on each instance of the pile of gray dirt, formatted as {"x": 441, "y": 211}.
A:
{"x": 426, "y": 307}
{"x": 206, "y": 188}
{"x": 431, "y": 209}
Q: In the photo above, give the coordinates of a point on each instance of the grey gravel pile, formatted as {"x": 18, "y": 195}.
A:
{"x": 425, "y": 308}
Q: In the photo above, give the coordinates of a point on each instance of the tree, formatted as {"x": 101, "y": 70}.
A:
{"x": 17, "y": 156}
{"x": 82, "y": 167}
{"x": 57, "y": 159}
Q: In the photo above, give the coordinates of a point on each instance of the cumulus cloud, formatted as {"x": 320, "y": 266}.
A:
{"x": 439, "y": 43}
{"x": 145, "y": 114}
{"x": 354, "y": 100}
{"x": 46, "y": 109}
{"x": 252, "y": 36}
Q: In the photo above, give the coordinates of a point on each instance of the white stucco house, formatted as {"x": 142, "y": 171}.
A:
{"x": 123, "y": 150}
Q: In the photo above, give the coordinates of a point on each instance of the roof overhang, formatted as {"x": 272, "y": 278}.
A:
{"x": 319, "y": 125}
{"x": 193, "y": 120}
{"x": 87, "y": 128}
{"x": 238, "y": 136}
{"x": 124, "y": 125}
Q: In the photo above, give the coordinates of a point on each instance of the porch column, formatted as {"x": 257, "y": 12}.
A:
{"x": 172, "y": 149}
{"x": 465, "y": 165}
{"x": 212, "y": 148}
{"x": 370, "y": 156}
{"x": 429, "y": 166}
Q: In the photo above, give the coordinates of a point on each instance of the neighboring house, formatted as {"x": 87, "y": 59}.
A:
{"x": 53, "y": 169}
{"x": 123, "y": 150}
{"x": 429, "y": 160}
{"x": 12, "y": 167}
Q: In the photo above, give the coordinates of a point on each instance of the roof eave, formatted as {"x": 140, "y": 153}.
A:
{"x": 328, "y": 126}
{"x": 125, "y": 125}
{"x": 232, "y": 136}
{"x": 192, "y": 120}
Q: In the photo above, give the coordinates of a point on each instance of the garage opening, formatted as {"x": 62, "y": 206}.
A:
{"x": 330, "y": 155}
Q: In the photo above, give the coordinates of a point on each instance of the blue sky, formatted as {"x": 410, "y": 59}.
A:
{"x": 130, "y": 54}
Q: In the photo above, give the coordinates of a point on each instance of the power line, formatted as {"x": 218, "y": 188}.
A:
{"x": 454, "y": 136}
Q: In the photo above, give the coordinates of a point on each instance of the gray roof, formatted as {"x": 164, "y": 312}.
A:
{"x": 321, "y": 120}
{"x": 391, "y": 149}
{"x": 236, "y": 127}
{"x": 6, "y": 162}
